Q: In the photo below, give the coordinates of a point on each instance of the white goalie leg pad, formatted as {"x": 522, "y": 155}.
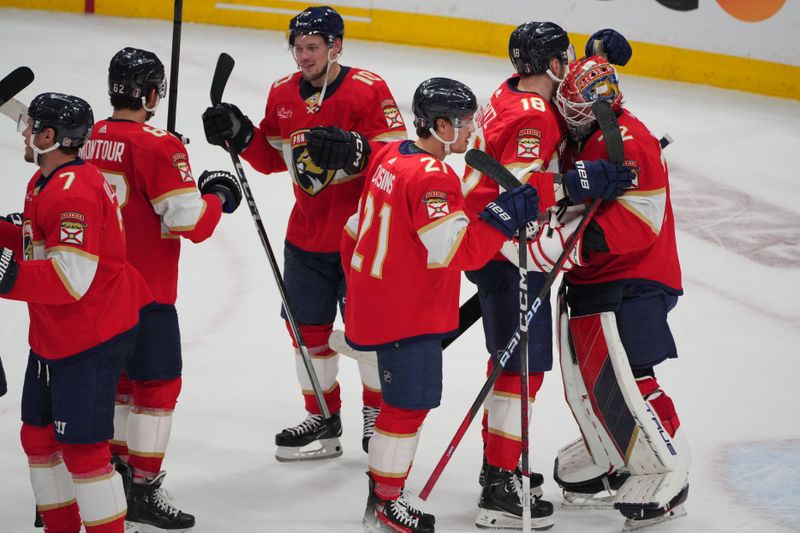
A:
{"x": 391, "y": 454}
{"x": 148, "y": 431}
{"x": 601, "y": 447}
{"x": 326, "y": 368}
{"x": 101, "y": 499}
{"x": 51, "y": 482}
{"x": 337, "y": 343}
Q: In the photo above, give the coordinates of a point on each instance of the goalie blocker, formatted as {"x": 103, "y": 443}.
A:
{"x": 633, "y": 454}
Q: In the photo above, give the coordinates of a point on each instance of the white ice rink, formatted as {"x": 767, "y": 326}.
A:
{"x": 736, "y": 192}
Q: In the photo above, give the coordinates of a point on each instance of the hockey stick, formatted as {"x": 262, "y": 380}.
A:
{"x": 174, "y": 65}
{"x": 523, "y": 376}
{"x": 222, "y": 72}
{"x": 10, "y": 86}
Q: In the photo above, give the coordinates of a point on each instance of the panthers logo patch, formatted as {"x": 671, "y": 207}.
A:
{"x": 307, "y": 175}
{"x": 393, "y": 117}
{"x": 181, "y": 162}
{"x": 436, "y": 203}
{"x": 528, "y": 143}
{"x": 72, "y": 227}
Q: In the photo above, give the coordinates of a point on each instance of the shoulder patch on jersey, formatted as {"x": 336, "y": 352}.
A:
{"x": 436, "y": 202}
{"x": 392, "y": 113}
{"x": 181, "y": 162}
{"x": 103, "y": 129}
{"x": 634, "y": 166}
{"x": 73, "y": 224}
{"x": 528, "y": 143}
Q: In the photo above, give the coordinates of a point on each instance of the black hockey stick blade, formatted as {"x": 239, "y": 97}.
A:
{"x": 612, "y": 137}
{"x": 491, "y": 167}
{"x": 15, "y": 82}
{"x": 223, "y": 71}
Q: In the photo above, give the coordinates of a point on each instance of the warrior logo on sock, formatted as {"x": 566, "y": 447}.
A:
{"x": 307, "y": 175}
{"x": 72, "y": 227}
{"x": 436, "y": 202}
{"x": 528, "y": 143}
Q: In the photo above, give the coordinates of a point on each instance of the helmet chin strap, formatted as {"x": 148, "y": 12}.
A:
{"x": 38, "y": 151}
{"x": 331, "y": 61}
{"x": 456, "y": 127}
{"x": 554, "y": 77}
{"x": 150, "y": 109}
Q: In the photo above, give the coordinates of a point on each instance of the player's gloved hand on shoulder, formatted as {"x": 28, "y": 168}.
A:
{"x": 333, "y": 148}
{"x": 596, "y": 179}
{"x": 225, "y": 122}
{"x": 610, "y": 43}
{"x": 224, "y": 185}
{"x": 8, "y": 270}
{"x": 14, "y": 218}
{"x": 512, "y": 209}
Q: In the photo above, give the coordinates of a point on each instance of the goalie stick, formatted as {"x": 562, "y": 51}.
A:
{"x": 489, "y": 166}
{"x": 222, "y": 72}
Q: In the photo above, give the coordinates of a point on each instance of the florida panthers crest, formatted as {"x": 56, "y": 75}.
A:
{"x": 308, "y": 176}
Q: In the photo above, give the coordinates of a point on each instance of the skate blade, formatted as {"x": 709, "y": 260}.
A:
{"x": 327, "y": 449}
{"x": 587, "y": 502}
{"x": 499, "y": 520}
{"x": 635, "y": 525}
{"x": 136, "y": 527}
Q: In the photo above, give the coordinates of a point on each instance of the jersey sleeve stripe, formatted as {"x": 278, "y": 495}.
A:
{"x": 75, "y": 268}
{"x": 443, "y": 237}
{"x": 648, "y": 206}
{"x": 180, "y": 210}
{"x": 390, "y": 136}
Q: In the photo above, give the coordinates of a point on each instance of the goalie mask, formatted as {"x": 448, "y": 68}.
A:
{"x": 71, "y": 118}
{"x": 592, "y": 78}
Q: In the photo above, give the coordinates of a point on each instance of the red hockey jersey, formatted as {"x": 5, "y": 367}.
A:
{"x": 357, "y": 100}
{"x": 522, "y": 131}
{"x": 80, "y": 289}
{"x": 150, "y": 173}
{"x": 639, "y": 226}
{"x": 413, "y": 239}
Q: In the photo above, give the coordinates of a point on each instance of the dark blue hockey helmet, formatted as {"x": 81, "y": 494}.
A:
{"x": 71, "y": 118}
{"x": 532, "y": 45}
{"x": 133, "y": 72}
{"x": 321, "y": 20}
{"x": 442, "y": 98}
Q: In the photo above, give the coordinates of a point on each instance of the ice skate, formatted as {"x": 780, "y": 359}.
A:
{"x": 374, "y": 503}
{"x": 125, "y": 471}
{"x": 593, "y": 495}
{"x": 500, "y": 507}
{"x": 370, "y": 414}
{"x": 311, "y": 431}
{"x": 537, "y": 479}
{"x": 150, "y": 510}
{"x": 639, "y": 518}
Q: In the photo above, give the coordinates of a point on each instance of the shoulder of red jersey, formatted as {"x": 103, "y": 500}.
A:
{"x": 285, "y": 83}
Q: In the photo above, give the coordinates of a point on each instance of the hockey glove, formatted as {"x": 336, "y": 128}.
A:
{"x": 333, "y": 148}
{"x": 224, "y": 185}
{"x": 224, "y": 122}
{"x": 14, "y": 218}
{"x": 548, "y": 245}
{"x": 596, "y": 179}
{"x": 611, "y": 44}
{"x": 8, "y": 270}
{"x": 512, "y": 209}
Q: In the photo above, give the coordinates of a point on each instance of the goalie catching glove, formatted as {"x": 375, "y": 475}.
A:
{"x": 333, "y": 148}
{"x": 545, "y": 249}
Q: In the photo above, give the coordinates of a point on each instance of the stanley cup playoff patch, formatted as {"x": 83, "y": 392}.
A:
{"x": 436, "y": 202}
{"x": 73, "y": 225}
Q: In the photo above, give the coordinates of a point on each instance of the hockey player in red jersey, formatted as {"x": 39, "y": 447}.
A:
{"x": 405, "y": 248}
{"x": 150, "y": 173}
{"x": 616, "y": 307}
{"x": 521, "y": 128}
{"x": 67, "y": 261}
{"x": 323, "y": 92}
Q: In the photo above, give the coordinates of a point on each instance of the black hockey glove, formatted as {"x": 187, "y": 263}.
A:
{"x": 225, "y": 122}
{"x": 14, "y": 218}
{"x": 610, "y": 43}
{"x": 596, "y": 179}
{"x": 333, "y": 148}
{"x": 224, "y": 185}
{"x": 3, "y": 386}
{"x": 512, "y": 209}
{"x": 8, "y": 270}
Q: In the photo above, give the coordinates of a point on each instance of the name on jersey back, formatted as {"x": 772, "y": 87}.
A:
{"x": 102, "y": 149}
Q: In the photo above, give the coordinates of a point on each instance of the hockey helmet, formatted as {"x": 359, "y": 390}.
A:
{"x": 133, "y": 72}
{"x": 532, "y": 45}
{"x": 590, "y": 79}
{"x": 321, "y": 20}
{"x": 442, "y": 98}
{"x": 71, "y": 118}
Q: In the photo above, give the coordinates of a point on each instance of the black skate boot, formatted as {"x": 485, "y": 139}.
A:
{"x": 124, "y": 470}
{"x": 638, "y": 517}
{"x": 537, "y": 479}
{"x": 150, "y": 510}
{"x": 313, "y": 429}
{"x": 500, "y": 504}
{"x": 370, "y": 414}
{"x": 37, "y": 519}
{"x": 370, "y": 516}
